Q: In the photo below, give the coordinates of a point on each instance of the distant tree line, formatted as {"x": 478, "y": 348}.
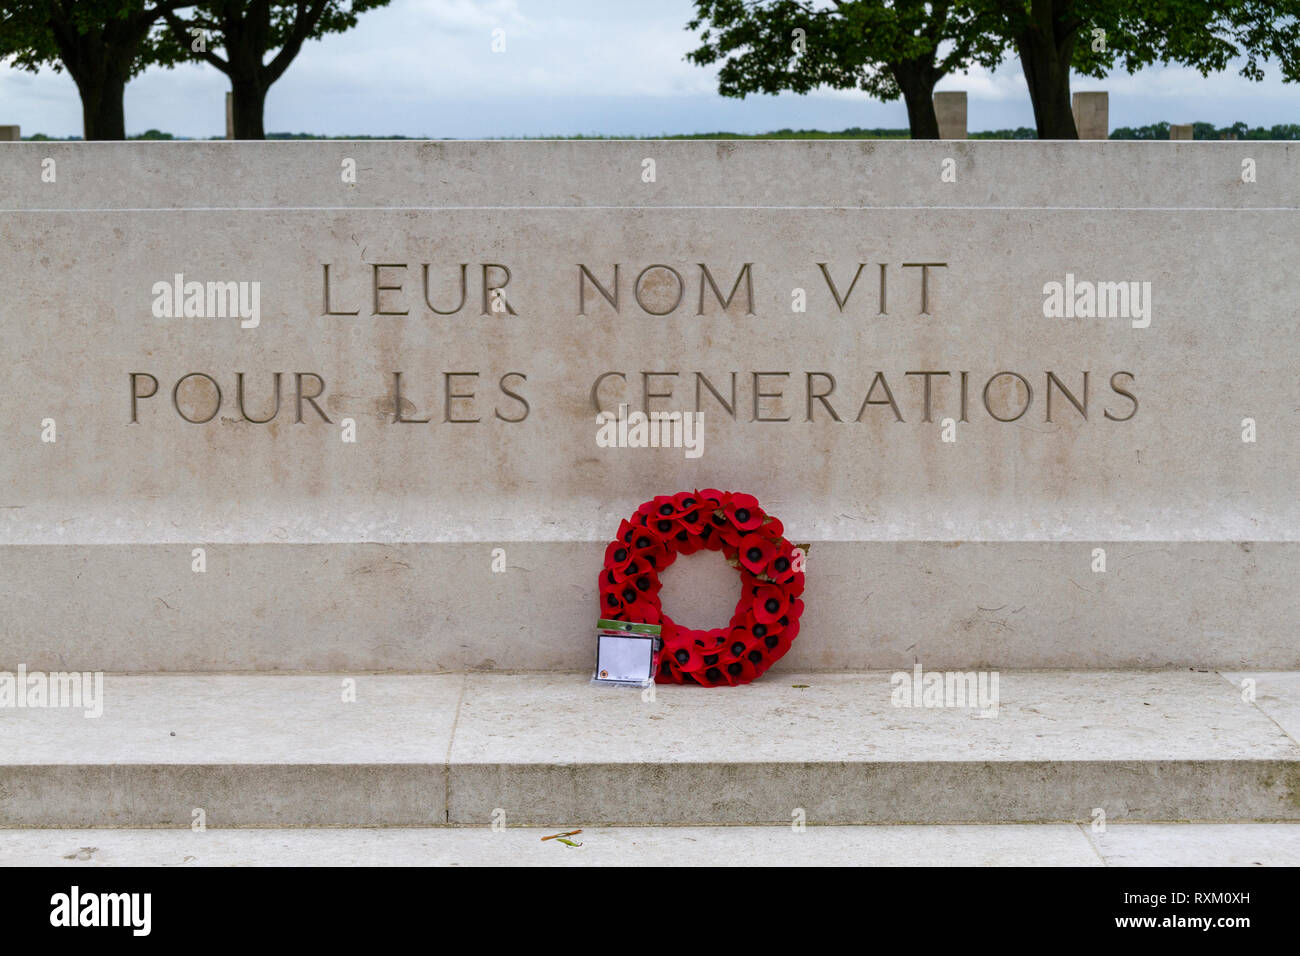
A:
{"x": 1210, "y": 131}
{"x": 902, "y": 48}
{"x": 1153, "y": 131}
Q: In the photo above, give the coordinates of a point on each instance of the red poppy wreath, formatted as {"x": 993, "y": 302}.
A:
{"x": 771, "y": 573}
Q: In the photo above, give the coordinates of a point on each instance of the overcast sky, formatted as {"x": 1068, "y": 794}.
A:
{"x": 611, "y": 67}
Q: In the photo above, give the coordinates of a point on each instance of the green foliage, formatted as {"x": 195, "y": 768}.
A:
{"x": 258, "y": 27}
{"x": 855, "y": 43}
{"x": 1139, "y": 33}
{"x": 38, "y": 33}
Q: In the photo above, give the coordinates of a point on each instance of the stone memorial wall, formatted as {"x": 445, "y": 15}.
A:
{"x": 334, "y": 405}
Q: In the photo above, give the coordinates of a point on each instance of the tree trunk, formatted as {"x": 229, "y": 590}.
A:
{"x": 917, "y": 81}
{"x": 248, "y": 103}
{"x": 102, "y": 114}
{"x": 921, "y": 117}
{"x": 1046, "y": 51}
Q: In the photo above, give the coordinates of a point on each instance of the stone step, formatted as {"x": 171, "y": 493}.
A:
{"x": 439, "y": 606}
{"x": 551, "y": 750}
{"x": 1042, "y": 844}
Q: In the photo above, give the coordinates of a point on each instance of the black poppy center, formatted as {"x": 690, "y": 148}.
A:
{"x": 742, "y": 515}
{"x": 782, "y": 563}
{"x": 737, "y": 649}
{"x": 629, "y": 594}
{"x": 665, "y": 509}
{"x": 620, "y": 554}
{"x": 760, "y": 630}
{"x": 682, "y": 656}
{"x": 753, "y": 554}
{"x": 664, "y": 525}
{"x": 643, "y": 583}
{"x": 771, "y": 605}
{"x": 643, "y": 542}
{"x": 713, "y": 674}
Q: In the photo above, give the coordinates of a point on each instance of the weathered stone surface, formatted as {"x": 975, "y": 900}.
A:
{"x": 950, "y": 109}
{"x": 262, "y": 750}
{"x": 1092, "y": 115}
{"x": 377, "y": 554}
{"x": 439, "y": 607}
{"x": 1037, "y": 845}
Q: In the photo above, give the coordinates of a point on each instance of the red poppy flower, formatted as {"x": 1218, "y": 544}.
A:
{"x": 649, "y": 544}
{"x": 743, "y": 511}
{"x": 710, "y": 497}
{"x": 770, "y": 603}
{"x": 640, "y": 612}
{"x": 729, "y": 535}
{"x": 687, "y": 543}
{"x": 754, "y": 551}
{"x": 763, "y": 629}
{"x": 795, "y": 585}
{"x": 781, "y": 568}
{"x": 685, "y": 501}
{"x": 696, "y": 516}
{"x": 618, "y": 554}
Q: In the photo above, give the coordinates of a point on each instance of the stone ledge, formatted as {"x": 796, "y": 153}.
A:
{"x": 169, "y": 177}
{"x": 1063, "y": 844}
{"x": 549, "y": 749}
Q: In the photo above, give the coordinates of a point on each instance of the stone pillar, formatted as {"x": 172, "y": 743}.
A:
{"x": 1180, "y": 131}
{"x": 230, "y": 116}
{"x": 9, "y": 134}
{"x": 1092, "y": 115}
{"x": 950, "y": 108}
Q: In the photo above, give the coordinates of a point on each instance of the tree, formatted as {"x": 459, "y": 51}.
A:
{"x": 247, "y": 31}
{"x": 904, "y": 47}
{"x": 1091, "y": 36}
{"x": 888, "y": 49}
{"x": 101, "y": 43}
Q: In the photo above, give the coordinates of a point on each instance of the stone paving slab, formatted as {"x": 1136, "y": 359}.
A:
{"x": 943, "y": 845}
